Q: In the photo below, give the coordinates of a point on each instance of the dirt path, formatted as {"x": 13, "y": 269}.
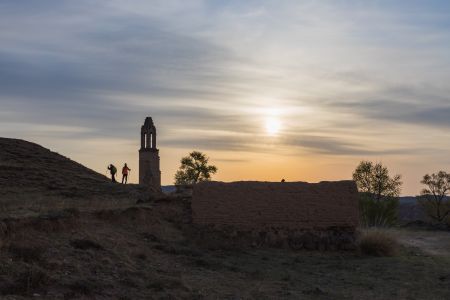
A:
{"x": 430, "y": 242}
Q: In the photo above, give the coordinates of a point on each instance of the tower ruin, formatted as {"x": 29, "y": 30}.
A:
{"x": 149, "y": 172}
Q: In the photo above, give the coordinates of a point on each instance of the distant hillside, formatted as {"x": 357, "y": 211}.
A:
{"x": 410, "y": 210}
{"x": 30, "y": 173}
{"x": 168, "y": 189}
{"x": 408, "y": 200}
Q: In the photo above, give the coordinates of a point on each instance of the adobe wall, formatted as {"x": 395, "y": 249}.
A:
{"x": 285, "y": 205}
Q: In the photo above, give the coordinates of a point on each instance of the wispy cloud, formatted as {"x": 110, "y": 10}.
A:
{"x": 350, "y": 78}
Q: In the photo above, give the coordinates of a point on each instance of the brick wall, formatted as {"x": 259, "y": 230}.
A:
{"x": 288, "y": 205}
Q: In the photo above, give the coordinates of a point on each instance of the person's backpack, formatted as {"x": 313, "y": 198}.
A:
{"x": 113, "y": 170}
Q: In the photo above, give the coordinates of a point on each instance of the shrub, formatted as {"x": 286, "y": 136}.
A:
{"x": 434, "y": 211}
{"x": 378, "y": 213}
{"x": 378, "y": 242}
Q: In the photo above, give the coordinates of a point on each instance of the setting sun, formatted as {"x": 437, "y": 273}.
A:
{"x": 273, "y": 126}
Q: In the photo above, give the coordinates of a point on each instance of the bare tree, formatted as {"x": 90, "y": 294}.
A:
{"x": 434, "y": 197}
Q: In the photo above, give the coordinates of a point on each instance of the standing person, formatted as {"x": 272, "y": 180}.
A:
{"x": 125, "y": 170}
{"x": 112, "y": 169}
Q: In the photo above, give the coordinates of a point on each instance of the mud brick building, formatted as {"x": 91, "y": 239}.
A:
{"x": 322, "y": 215}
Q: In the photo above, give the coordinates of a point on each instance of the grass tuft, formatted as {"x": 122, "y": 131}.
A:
{"x": 378, "y": 242}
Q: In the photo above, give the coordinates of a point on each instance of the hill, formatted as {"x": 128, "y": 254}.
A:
{"x": 410, "y": 210}
{"x": 33, "y": 177}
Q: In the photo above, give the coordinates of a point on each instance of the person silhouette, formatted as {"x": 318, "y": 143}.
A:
{"x": 112, "y": 169}
{"x": 125, "y": 170}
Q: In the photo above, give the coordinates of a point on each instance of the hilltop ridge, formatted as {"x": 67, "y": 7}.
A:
{"x": 31, "y": 176}
{"x": 23, "y": 162}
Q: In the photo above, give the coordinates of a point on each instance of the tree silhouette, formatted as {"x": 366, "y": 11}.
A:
{"x": 434, "y": 197}
{"x": 194, "y": 168}
{"x": 379, "y": 194}
{"x": 374, "y": 180}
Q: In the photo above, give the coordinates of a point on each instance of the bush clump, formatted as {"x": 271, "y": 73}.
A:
{"x": 378, "y": 213}
{"x": 378, "y": 242}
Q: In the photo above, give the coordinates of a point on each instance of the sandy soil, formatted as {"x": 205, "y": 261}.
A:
{"x": 430, "y": 242}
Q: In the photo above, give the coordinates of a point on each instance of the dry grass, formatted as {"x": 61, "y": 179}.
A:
{"x": 378, "y": 242}
{"x": 145, "y": 253}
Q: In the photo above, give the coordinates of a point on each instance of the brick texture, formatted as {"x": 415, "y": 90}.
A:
{"x": 284, "y": 205}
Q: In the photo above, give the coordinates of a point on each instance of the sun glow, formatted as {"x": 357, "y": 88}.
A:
{"x": 273, "y": 126}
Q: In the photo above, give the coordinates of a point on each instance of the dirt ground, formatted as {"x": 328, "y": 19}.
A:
{"x": 436, "y": 243}
{"x": 147, "y": 252}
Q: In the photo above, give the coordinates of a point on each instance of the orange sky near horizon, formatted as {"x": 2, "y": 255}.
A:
{"x": 236, "y": 166}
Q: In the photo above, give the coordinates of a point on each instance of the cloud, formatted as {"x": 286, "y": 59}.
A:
{"x": 328, "y": 145}
{"x": 291, "y": 145}
{"x": 230, "y": 143}
{"x": 231, "y": 160}
{"x": 102, "y": 68}
{"x": 205, "y": 70}
{"x": 124, "y": 60}
{"x": 404, "y": 106}
{"x": 436, "y": 116}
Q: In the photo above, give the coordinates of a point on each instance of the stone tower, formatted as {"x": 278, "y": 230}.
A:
{"x": 149, "y": 173}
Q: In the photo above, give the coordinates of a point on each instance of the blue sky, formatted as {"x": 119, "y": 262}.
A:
{"x": 341, "y": 80}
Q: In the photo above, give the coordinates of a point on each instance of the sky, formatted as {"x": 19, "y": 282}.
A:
{"x": 301, "y": 90}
